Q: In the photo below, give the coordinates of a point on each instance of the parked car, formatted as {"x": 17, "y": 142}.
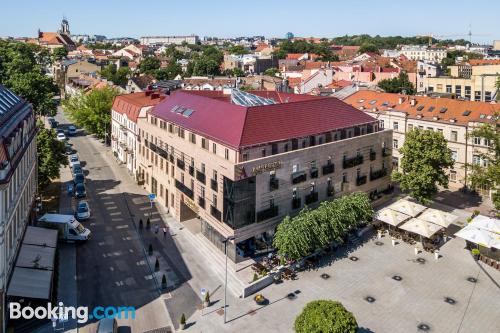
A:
{"x": 79, "y": 178}
{"x": 107, "y": 325}
{"x": 68, "y": 149}
{"x": 61, "y": 137}
{"x": 80, "y": 191}
{"x": 77, "y": 169}
{"x": 82, "y": 210}
{"x": 71, "y": 130}
{"x": 73, "y": 160}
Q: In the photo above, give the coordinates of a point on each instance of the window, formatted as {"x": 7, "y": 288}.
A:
{"x": 468, "y": 92}
{"x": 395, "y": 144}
{"x": 430, "y": 128}
{"x": 245, "y": 157}
{"x": 226, "y": 154}
{"x": 454, "y": 155}
{"x": 274, "y": 149}
{"x": 214, "y": 148}
{"x": 204, "y": 143}
{"x": 410, "y": 127}
{"x": 214, "y": 175}
{"x": 453, "y": 176}
{"x": 202, "y": 169}
{"x": 181, "y": 133}
{"x": 192, "y": 138}
{"x": 454, "y": 136}
{"x": 476, "y": 159}
{"x": 264, "y": 152}
{"x": 458, "y": 90}
{"x": 295, "y": 168}
{"x": 487, "y": 142}
{"x": 487, "y": 96}
{"x": 381, "y": 124}
{"x": 344, "y": 177}
{"x": 202, "y": 192}
{"x": 171, "y": 128}
{"x": 448, "y": 89}
{"x": 214, "y": 200}
{"x": 395, "y": 126}
{"x": 477, "y": 96}
{"x": 285, "y": 147}
{"x": 477, "y": 140}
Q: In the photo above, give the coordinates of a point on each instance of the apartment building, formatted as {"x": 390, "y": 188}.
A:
{"x": 426, "y": 69}
{"x": 454, "y": 118}
{"x": 18, "y": 179}
{"x": 241, "y": 161}
{"x": 474, "y": 81}
{"x": 423, "y": 52}
{"x": 125, "y": 112}
{"x": 177, "y": 40}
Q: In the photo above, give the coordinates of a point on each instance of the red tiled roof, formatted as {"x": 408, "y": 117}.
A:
{"x": 455, "y": 109}
{"x": 479, "y": 62}
{"x": 238, "y": 126}
{"x": 131, "y": 104}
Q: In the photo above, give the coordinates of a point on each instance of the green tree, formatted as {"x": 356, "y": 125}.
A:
{"x": 149, "y": 65}
{"x": 59, "y": 53}
{"x": 426, "y": 157}
{"x": 487, "y": 175}
{"x": 325, "y": 316}
{"x": 398, "y": 84}
{"x": 92, "y": 111}
{"x": 272, "y": 71}
{"x": 21, "y": 69}
{"x": 238, "y": 49}
{"x": 369, "y": 47}
{"x": 118, "y": 77}
{"x": 50, "y": 155}
{"x": 170, "y": 72}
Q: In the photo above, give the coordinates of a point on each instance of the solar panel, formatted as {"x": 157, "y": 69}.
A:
{"x": 174, "y": 109}
{"x": 420, "y": 108}
{"x": 242, "y": 98}
{"x": 466, "y": 113}
{"x": 187, "y": 113}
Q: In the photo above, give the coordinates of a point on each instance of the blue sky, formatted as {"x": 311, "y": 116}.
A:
{"x": 271, "y": 18}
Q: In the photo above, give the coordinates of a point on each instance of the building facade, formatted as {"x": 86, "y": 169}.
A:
{"x": 422, "y": 52}
{"x": 455, "y": 119}
{"x": 125, "y": 112}
{"x": 18, "y": 179}
{"x": 241, "y": 166}
{"x": 177, "y": 40}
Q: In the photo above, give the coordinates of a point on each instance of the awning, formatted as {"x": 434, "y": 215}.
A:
{"x": 487, "y": 223}
{"x": 31, "y": 283}
{"x": 37, "y": 257}
{"x": 421, "y": 227}
{"x": 438, "y": 217}
{"x": 40, "y": 236}
{"x": 407, "y": 207}
{"x": 391, "y": 217}
{"x": 479, "y": 236}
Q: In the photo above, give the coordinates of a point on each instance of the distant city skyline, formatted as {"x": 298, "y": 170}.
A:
{"x": 225, "y": 18}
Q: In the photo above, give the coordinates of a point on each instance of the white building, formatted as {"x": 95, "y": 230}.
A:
{"x": 126, "y": 110}
{"x": 18, "y": 179}
{"x": 426, "y": 69}
{"x": 422, "y": 52}
{"x": 177, "y": 40}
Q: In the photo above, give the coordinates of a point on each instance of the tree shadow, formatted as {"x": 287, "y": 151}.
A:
{"x": 364, "y": 330}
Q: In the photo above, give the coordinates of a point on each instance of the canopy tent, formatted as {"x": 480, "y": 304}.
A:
{"x": 40, "y": 236}
{"x": 479, "y": 236}
{"x": 31, "y": 283}
{"x": 407, "y": 207}
{"x": 39, "y": 257}
{"x": 391, "y": 217}
{"x": 438, "y": 217}
{"x": 421, "y": 227}
{"x": 487, "y": 223}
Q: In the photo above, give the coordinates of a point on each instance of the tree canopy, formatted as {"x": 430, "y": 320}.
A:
{"x": 302, "y": 46}
{"x": 92, "y": 111}
{"x": 118, "y": 77}
{"x": 399, "y": 84}
{"x": 21, "y": 69}
{"x": 238, "y": 49}
{"x": 487, "y": 174}
{"x": 325, "y": 316}
{"x": 425, "y": 159}
{"x": 391, "y": 42}
{"x": 369, "y": 47}
{"x": 59, "y": 53}
{"x": 273, "y": 71}
{"x": 50, "y": 155}
{"x": 149, "y": 65}
{"x": 312, "y": 230}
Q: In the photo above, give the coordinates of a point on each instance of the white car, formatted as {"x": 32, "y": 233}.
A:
{"x": 61, "y": 137}
{"x": 73, "y": 160}
{"x": 82, "y": 211}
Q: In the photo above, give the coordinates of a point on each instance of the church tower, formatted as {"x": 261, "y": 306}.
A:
{"x": 65, "y": 27}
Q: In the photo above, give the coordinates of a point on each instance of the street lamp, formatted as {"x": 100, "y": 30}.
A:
{"x": 230, "y": 238}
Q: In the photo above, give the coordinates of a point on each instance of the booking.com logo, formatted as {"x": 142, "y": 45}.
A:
{"x": 61, "y": 312}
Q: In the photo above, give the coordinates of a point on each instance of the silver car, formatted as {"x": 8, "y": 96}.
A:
{"x": 82, "y": 210}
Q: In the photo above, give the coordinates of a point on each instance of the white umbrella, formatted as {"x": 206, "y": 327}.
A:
{"x": 421, "y": 227}
{"x": 478, "y": 236}
{"x": 391, "y": 217}
{"x": 486, "y": 223}
{"x": 407, "y": 207}
{"x": 435, "y": 216}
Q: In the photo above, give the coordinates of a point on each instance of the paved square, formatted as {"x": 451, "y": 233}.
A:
{"x": 387, "y": 289}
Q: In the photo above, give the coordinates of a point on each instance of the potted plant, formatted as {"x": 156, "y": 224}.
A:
{"x": 259, "y": 299}
{"x": 475, "y": 253}
{"x": 207, "y": 299}
{"x": 183, "y": 322}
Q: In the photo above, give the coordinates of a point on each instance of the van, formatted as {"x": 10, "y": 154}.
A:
{"x": 69, "y": 228}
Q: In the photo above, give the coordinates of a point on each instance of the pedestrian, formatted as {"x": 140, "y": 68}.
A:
{"x": 157, "y": 228}
{"x": 164, "y": 232}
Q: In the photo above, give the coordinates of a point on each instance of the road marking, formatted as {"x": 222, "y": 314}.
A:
{"x": 148, "y": 277}
{"x": 101, "y": 243}
{"x": 141, "y": 263}
{"x": 130, "y": 250}
{"x": 116, "y": 213}
{"x": 123, "y": 226}
{"x": 109, "y": 203}
{"x": 111, "y": 269}
{"x": 127, "y": 238}
{"x": 119, "y": 283}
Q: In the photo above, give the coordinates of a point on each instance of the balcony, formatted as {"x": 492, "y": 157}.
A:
{"x": 273, "y": 184}
{"x": 330, "y": 191}
{"x": 180, "y": 164}
{"x": 200, "y": 176}
{"x": 311, "y": 198}
{"x": 361, "y": 180}
{"x": 184, "y": 189}
{"x": 163, "y": 153}
{"x": 313, "y": 172}
{"x": 267, "y": 213}
{"x": 171, "y": 158}
{"x": 201, "y": 202}
{"x": 352, "y": 162}
{"x": 386, "y": 152}
{"x": 378, "y": 174}
{"x": 215, "y": 213}
{"x": 373, "y": 155}
{"x": 191, "y": 170}
{"x": 213, "y": 185}
{"x": 296, "y": 203}
{"x": 299, "y": 177}
{"x": 328, "y": 169}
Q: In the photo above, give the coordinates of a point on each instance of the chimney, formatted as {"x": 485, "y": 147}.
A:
{"x": 149, "y": 92}
{"x": 155, "y": 95}
{"x": 413, "y": 102}
{"x": 401, "y": 100}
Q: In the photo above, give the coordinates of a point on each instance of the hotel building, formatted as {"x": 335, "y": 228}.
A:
{"x": 240, "y": 162}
